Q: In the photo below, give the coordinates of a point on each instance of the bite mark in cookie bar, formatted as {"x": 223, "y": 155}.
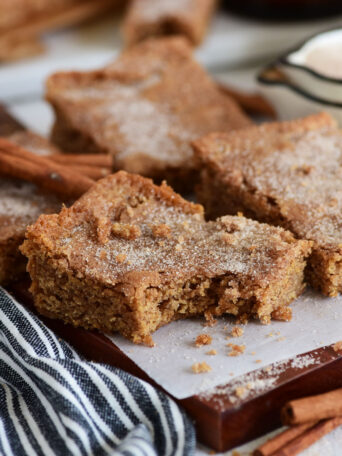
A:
{"x": 287, "y": 174}
{"x": 146, "y": 18}
{"x": 144, "y": 109}
{"x": 79, "y": 278}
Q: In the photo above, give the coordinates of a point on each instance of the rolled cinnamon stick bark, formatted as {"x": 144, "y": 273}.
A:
{"x": 99, "y": 160}
{"x": 94, "y": 172}
{"x": 280, "y": 440}
{"x": 19, "y": 163}
{"x": 313, "y": 408}
{"x": 309, "y": 437}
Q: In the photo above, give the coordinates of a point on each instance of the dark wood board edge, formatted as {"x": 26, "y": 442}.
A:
{"x": 220, "y": 424}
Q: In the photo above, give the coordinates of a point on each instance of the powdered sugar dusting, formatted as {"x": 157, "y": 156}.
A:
{"x": 123, "y": 119}
{"x": 145, "y": 108}
{"x": 21, "y": 204}
{"x": 301, "y": 172}
{"x": 232, "y": 244}
{"x": 257, "y": 382}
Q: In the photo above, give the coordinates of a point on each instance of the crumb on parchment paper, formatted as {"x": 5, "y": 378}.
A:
{"x": 236, "y": 331}
{"x": 203, "y": 339}
{"x": 236, "y": 350}
{"x": 338, "y": 346}
{"x": 199, "y": 368}
{"x": 210, "y": 321}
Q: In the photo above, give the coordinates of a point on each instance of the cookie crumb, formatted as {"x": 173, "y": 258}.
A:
{"x": 210, "y": 320}
{"x": 121, "y": 258}
{"x": 338, "y": 346}
{"x": 228, "y": 238}
{"x": 236, "y": 331}
{"x": 258, "y": 360}
{"x": 102, "y": 229}
{"x": 161, "y": 231}
{"x": 203, "y": 339}
{"x": 199, "y": 368}
{"x": 126, "y": 231}
{"x": 240, "y": 391}
{"x": 212, "y": 352}
{"x": 236, "y": 350}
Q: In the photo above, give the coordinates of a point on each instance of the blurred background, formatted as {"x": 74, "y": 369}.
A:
{"x": 82, "y": 34}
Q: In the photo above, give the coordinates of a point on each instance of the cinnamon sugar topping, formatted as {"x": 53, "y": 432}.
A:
{"x": 162, "y": 230}
{"x": 121, "y": 258}
{"x": 126, "y": 231}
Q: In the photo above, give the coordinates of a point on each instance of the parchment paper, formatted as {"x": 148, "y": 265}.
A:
{"x": 317, "y": 321}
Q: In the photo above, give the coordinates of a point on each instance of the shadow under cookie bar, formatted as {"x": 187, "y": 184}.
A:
{"x": 130, "y": 256}
{"x": 285, "y": 174}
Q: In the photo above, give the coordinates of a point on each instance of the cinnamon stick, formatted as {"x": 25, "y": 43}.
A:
{"x": 309, "y": 437}
{"x": 19, "y": 163}
{"x": 99, "y": 160}
{"x": 94, "y": 172}
{"x": 280, "y": 440}
{"x": 313, "y": 408}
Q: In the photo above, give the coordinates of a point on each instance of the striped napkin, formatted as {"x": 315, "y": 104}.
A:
{"x": 53, "y": 402}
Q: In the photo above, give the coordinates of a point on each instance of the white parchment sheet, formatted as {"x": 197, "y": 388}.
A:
{"x": 317, "y": 321}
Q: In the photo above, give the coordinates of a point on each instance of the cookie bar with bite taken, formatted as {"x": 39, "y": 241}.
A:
{"x": 130, "y": 256}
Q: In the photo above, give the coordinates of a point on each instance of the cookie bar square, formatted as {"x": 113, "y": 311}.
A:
{"x": 285, "y": 173}
{"x": 130, "y": 256}
{"x": 144, "y": 110}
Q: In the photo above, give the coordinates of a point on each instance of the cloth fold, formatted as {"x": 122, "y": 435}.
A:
{"x": 53, "y": 402}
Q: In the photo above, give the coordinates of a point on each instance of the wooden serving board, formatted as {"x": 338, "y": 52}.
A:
{"x": 222, "y": 421}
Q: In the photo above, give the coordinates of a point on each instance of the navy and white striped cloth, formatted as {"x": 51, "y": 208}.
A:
{"x": 52, "y": 402}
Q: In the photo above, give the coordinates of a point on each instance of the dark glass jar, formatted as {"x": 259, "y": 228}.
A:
{"x": 285, "y": 9}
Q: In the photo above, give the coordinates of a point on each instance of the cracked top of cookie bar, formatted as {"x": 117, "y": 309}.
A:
{"x": 128, "y": 230}
{"x": 147, "y": 106}
{"x": 297, "y": 164}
